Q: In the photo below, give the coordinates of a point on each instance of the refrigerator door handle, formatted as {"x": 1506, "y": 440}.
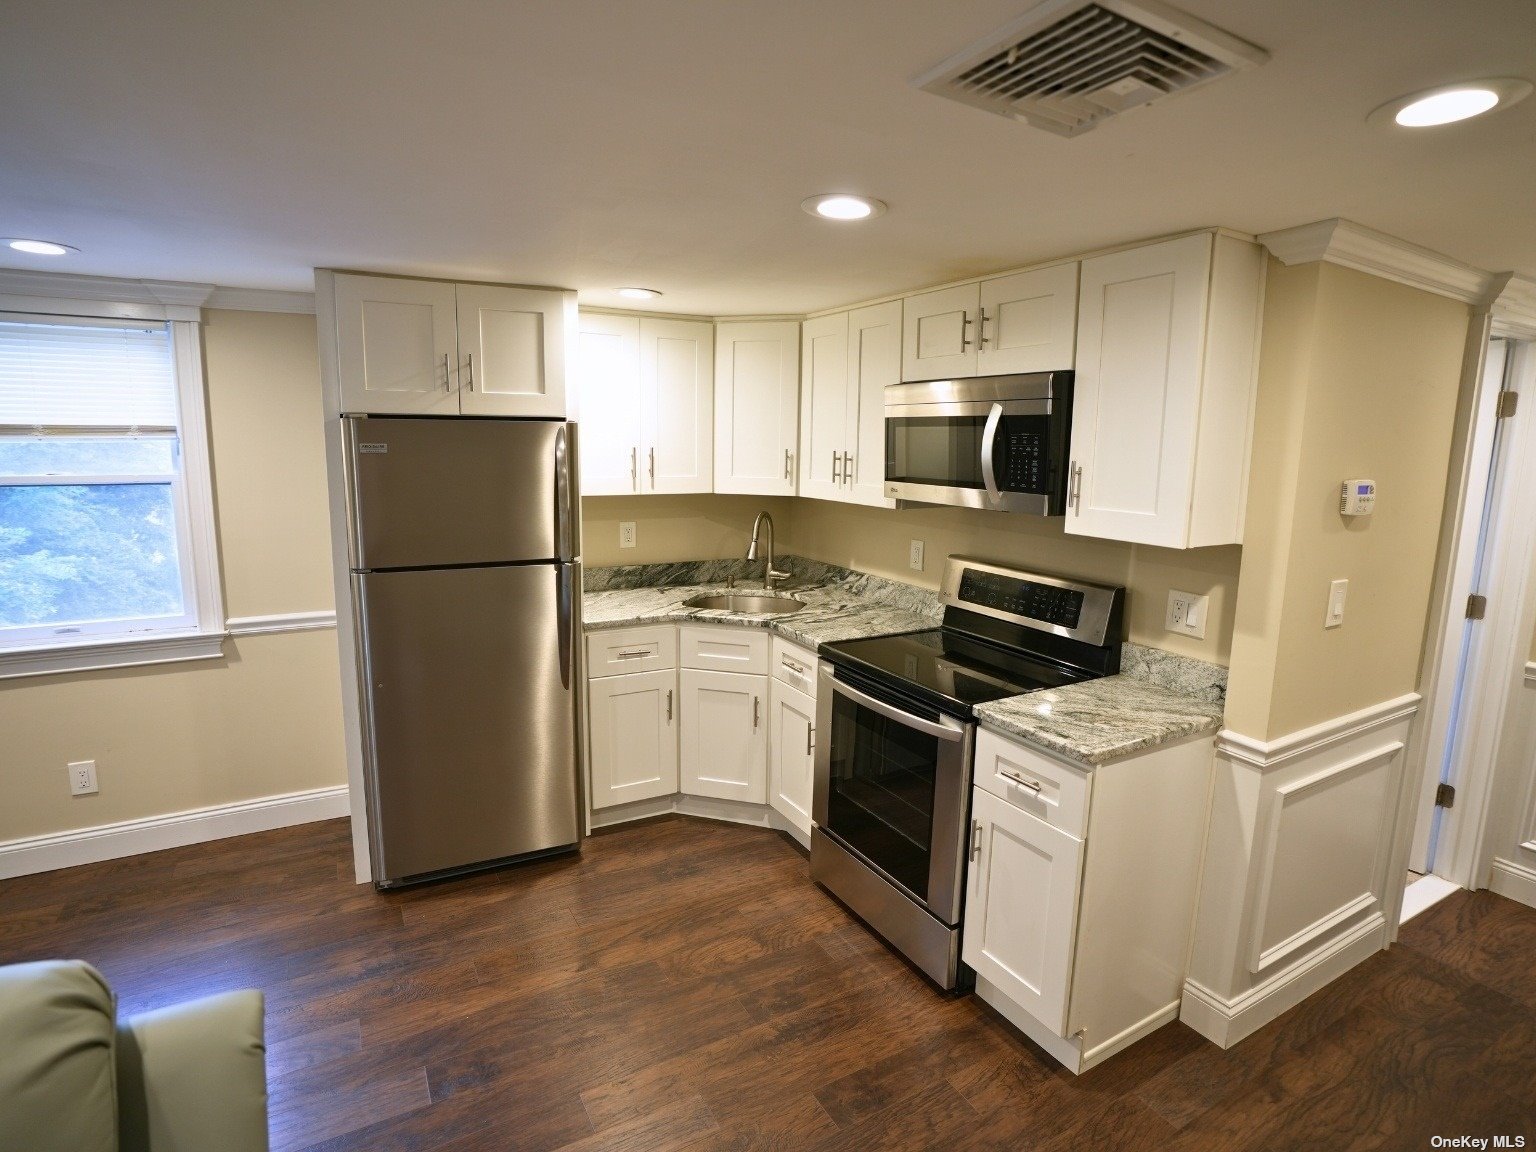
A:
{"x": 564, "y": 598}
{"x": 563, "y": 540}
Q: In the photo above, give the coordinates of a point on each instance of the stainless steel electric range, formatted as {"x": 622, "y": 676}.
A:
{"x": 893, "y": 768}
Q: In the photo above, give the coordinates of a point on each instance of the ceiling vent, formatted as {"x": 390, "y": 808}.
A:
{"x": 1067, "y": 65}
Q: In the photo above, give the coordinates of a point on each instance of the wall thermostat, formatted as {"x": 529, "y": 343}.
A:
{"x": 1357, "y": 497}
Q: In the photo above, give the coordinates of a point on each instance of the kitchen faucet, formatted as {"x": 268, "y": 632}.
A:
{"x": 770, "y": 573}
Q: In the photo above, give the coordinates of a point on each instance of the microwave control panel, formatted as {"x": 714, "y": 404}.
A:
{"x": 1044, "y": 602}
{"x": 1023, "y": 462}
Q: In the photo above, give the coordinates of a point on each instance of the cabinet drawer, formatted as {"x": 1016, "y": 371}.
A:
{"x": 794, "y": 665}
{"x": 625, "y": 650}
{"x": 1011, "y": 772}
{"x": 724, "y": 648}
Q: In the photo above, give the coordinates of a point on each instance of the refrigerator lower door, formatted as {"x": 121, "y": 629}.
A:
{"x": 470, "y": 714}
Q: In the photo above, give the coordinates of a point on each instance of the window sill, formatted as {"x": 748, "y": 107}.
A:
{"x": 118, "y": 652}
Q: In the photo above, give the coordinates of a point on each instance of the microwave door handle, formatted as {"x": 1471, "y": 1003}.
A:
{"x": 988, "y": 444}
{"x": 945, "y": 729}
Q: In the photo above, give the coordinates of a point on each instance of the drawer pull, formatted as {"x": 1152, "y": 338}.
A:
{"x": 797, "y": 669}
{"x": 635, "y": 653}
{"x": 1032, "y": 785}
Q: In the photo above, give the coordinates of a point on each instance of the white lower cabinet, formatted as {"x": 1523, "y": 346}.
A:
{"x": 791, "y": 744}
{"x": 1081, "y": 890}
{"x": 724, "y": 740}
{"x": 634, "y": 737}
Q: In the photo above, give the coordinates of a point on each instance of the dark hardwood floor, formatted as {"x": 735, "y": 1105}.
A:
{"x": 684, "y": 986}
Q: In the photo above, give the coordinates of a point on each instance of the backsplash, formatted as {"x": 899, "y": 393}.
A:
{"x": 1182, "y": 674}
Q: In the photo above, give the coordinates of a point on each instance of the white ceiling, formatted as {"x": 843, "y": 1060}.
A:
{"x": 669, "y": 143}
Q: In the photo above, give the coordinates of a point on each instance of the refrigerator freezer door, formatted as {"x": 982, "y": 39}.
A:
{"x": 432, "y": 493}
{"x": 471, "y": 714}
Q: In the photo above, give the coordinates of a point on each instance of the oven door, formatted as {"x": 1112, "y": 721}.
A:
{"x": 1003, "y": 455}
{"x": 891, "y": 788}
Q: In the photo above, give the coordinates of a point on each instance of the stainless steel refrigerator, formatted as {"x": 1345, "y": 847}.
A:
{"x": 463, "y": 537}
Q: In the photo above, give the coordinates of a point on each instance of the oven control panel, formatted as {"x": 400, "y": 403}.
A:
{"x": 1047, "y": 603}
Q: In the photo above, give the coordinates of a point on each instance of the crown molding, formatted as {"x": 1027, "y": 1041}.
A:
{"x": 262, "y": 300}
{"x": 1352, "y": 246}
{"x": 141, "y": 299}
{"x": 1511, "y": 299}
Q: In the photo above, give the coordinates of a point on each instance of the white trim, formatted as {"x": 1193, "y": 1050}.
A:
{"x": 32, "y": 854}
{"x": 1511, "y": 301}
{"x": 1423, "y": 894}
{"x": 262, "y": 300}
{"x": 1266, "y": 754}
{"x": 197, "y": 476}
{"x": 1350, "y": 245}
{"x": 280, "y": 622}
{"x": 1065, "y": 1051}
{"x": 1513, "y": 880}
{"x": 1225, "y": 1022}
{"x": 1530, "y": 673}
{"x": 119, "y": 652}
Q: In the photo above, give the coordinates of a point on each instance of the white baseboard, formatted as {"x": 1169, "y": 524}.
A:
{"x": 705, "y": 807}
{"x": 1423, "y": 894}
{"x": 1225, "y": 1022}
{"x": 131, "y": 837}
{"x": 1065, "y": 1051}
{"x": 1516, "y": 881}
{"x": 1102, "y": 1052}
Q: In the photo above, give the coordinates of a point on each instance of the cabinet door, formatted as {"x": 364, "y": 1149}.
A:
{"x": 678, "y": 403}
{"x": 938, "y": 334}
{"x": 724, "y": 735}
{"x": 607, "y": 404}
{"x": 824, "y": 380}
{"x": 1028, "y": 322}
{"x": 1021, "y": 907}
{"x": 791, "y": 744}
{"x": 874, "y": 361}
{"x": 396, "y": 345}
{"x": 512, "y": 350}
{"x": 757, "y": 404}
{"x": 1137, "y": 397}
{"x": 633, "y": 727}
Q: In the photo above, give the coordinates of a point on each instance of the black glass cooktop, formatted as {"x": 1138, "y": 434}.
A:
{"x": 948, "y": 669}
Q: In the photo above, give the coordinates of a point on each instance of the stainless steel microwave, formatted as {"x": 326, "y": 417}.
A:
{"x": 995, "y": 442}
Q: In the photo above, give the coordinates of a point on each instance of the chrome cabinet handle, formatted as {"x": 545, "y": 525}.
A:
{"x": 471, "y": 371}
{"x": 787, "y": 464}
{"x": 981, "y": 332}
{"x": 836, "y": 479}
{"x": 756, "y": 704}
{"x": 792, "y": 666}
{"x": 975, "y": 839}
{"x": 634, "y": 653}
{"x": 634, "y": 468}
{"x": 447, "y": 374}
{"x": 810, "y": 739}
{"x": 847, "y": 468}
{"x": 965, "y": 341}
{"x": 669, "y": 705}
{"x": 653, "y": 466}
{"x": 988, "y": 449}
{"x": 1032, "y": 785}
{"x": 1075, "y": 496}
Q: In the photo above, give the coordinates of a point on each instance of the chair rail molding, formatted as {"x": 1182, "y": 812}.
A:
{"x": 280, "y": 622}
{"x": 1265, "y": 754}
{"x": 1351, "y": 245}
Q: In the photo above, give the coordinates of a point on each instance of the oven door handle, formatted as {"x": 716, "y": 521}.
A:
{"x": 988, "y": 445}
{"x": 945, "y": 729}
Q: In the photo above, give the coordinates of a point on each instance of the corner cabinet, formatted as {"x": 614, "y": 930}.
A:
{"x": 1167, "y": 351}
{"x": 632, "y": 714}
{"x": 757, "y": 404}
{"x": 846, "y": 361}
{"x": 1018, "y": 323}
{"x": 433, "y": 348}
{"x": 792, "y": 735}
{"x": 645, "y": 403}
{"x": 1081, "y": 890}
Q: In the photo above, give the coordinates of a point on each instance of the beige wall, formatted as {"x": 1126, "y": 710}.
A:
{"x": 1358, "y": 378}
{"x": 265, "y": 719}
{"x": 670, "y": 528}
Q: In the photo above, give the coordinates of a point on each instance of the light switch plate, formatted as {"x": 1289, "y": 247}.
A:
{"x": 915, "y": 556}
{"x": 1187, "y": 612}
{"x": 627, "y": 534}
{"x": 1336, "y": 593}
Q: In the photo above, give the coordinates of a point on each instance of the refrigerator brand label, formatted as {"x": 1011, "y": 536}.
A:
{"x": 373, "y": 447}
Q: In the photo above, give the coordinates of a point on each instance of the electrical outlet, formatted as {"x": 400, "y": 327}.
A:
{"x": 915, "y": 556}
{"x": 1187, "y": 613}
{"x": 1336, "y": 593}
{"x": 82, "y": 777}
{"x": 627, "y": 534}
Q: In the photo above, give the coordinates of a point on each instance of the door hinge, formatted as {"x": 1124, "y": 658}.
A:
{"x": 1445, "y": 796}
{"x": 1477, "y": 606}
{"x": 1508, "y": 402}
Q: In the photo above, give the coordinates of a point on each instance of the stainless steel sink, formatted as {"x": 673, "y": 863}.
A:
{"x": 760, "y": 602}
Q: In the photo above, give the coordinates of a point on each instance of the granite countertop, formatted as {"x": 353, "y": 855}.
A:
{"x": 832, "y": 612}
{"x": 1101, "y": 720}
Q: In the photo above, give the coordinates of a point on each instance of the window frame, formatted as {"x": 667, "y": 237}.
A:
{"x": 200, "y": 632}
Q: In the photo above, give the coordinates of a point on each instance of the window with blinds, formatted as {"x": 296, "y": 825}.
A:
{"x": 93, "y": 514}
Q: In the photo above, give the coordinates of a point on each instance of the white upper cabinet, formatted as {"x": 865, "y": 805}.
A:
{"x": 677, "y": 402}
{"x": 1020, "y": 323}
{"x": 846, "y": 362}
{"x": 608, "y": 404}
{"x": 645, "y": 401}
{"x": 426, "y": 347}
{"x": 757, "y": 394}
{"x": 396, "y": 344}
{"x": 1162, "y": 412}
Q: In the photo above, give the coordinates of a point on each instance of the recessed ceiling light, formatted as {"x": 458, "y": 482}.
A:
{"x": 40, "y": 247}
{"x": 842, "y": 206}
{"x": 638, "y": 293}
{"x": 1451, "y": 102}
